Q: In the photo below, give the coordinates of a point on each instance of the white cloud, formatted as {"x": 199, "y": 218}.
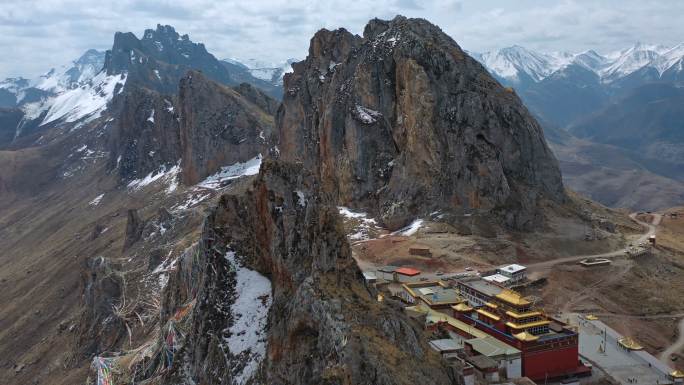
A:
{"x": 36, "y": 34}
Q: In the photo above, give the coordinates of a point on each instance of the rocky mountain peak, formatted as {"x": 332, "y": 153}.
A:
{"x": 163, "y": 32}
{"x": 169, "y": 44}
{"x": 161, "y": 58}
{"x": 90, "y": 56}
{"x": 402, "y": 122}
{"x": 332, "y": 47}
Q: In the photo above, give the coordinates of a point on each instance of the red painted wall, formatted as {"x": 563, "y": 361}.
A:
{"x": 554, "y": 363}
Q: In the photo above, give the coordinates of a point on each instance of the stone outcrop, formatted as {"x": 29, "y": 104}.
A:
{"x": 205, "y": 127}
{"x": 402, "y": 122}
{"x": 219, "y": 127}
{"x": 324, "y": 326}
{"x": 134, "y": 228}
{"x": 145, "y": 133}
{"x": 176, "y": 107}
{"x": 99, "y": 328}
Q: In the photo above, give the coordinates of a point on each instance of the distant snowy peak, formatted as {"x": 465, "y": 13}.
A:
{"x": 271, "y": 72}
{"x": 236, "y": 62}
{"x": 72, "y": 75}
{"x": 88, "y": 101}
{"x": 590, "y": 60}
{"x": 34, "y": 96}
{"x": 642, "y": 56}
{"x": 514, "y": 64}
{"x": 670, "y": 58}
{"x": 631, "y": 60}
{"x": 14, "y": 85}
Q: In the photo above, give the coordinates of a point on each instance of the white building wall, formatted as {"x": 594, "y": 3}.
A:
{"x": 514, "y": 367}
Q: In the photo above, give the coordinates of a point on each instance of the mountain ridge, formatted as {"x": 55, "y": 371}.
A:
{"x": 370, "y": 137}
{"x": 152, "y": 243}
{"x": 511, "y": 63}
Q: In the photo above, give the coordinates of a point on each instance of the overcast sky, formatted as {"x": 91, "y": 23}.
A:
{"x": 36, "y": 35}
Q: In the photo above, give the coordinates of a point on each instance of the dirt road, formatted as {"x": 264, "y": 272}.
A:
{"x": 676, "y": 346}
{"x": 636, "y": 316}
{"x": 612, "y": 254}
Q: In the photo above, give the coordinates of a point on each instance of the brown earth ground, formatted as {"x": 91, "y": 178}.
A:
{"x": 563, "y": 235}
{"x": 641, "y": 297}
{"x": 46, "y": 239}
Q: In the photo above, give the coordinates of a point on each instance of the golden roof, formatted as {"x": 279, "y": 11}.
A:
{"x": 591, "y": 317}
{"x": 433, "y": 317}
{"x": 492, "y": 305}
{"x": 513, "y": 298}
{"x": 464, "y": 327}
{"x": 630, "y": 343}
{"x": 488, "y": 314}
{"x": 527, "y": 325}
{"x": 677, "y": 374}
{"x": 462, "y": 307}
{"x": 525, "y": 336}
{"x": 523, "y": 315}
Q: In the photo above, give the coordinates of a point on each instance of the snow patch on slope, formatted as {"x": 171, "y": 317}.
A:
{"x": 363, "y": 225}
{"x": 193, "y": 199}
{"x": 163, "y": 173}
{"x": 234, "y": 171}
{"x": 366, "y": 115}
{"x": 246, "y": 339}
{"x": 96, "y": 201}
{"x": 85, "y": 101}
{"x": 410, "y": 229}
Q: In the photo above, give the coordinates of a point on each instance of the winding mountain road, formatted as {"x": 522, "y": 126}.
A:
{"x": 611, "y": 254}
{"x": 637, "y": 316}
{"x": 676, "y": 346}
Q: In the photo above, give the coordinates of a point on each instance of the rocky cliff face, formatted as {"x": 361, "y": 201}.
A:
{"x": 205, "y": 127}
{"x": 258, "y": 97}
{"x": 322, "y": 326}
{"x": 161, "y": 58}
{"x": 145, "y": 133}
{"x": 219, "y": 127}
{"x": 402, "y": 122}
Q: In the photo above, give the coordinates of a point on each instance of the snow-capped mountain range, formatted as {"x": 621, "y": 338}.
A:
{"x": 516, "y": 64}
{"x": 69, "y": 93}
{"x": 81, "y": 90}
{"x": 59, "y": 79}
{"x": 72, "y": 75}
